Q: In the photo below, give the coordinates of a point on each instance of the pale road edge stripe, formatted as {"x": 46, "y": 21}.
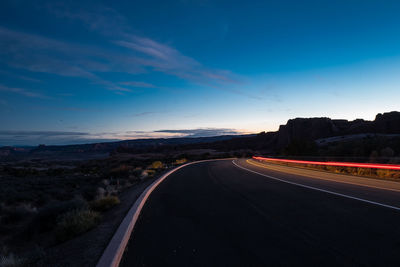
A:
{"x": 113, "y": 253}
{"x": 319, "y": 189}
{"x": 326, "y": 179}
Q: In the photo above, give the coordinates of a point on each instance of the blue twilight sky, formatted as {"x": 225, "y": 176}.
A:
{"x": 79, "y": 71}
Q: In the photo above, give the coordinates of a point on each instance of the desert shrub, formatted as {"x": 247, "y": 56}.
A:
{"x": 396, "y": 175}
{"x": 181, "y": 161}
{"x": 75, "y": 222}
{"x": 364, "y": 172}
{"x": 157, "y": 165}
{"x": 381, "y": 173}
{"x": 46, "y": 217}
{"x": 104, "y": 203}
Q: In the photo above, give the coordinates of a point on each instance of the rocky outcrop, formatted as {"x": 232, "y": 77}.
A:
{"x": 388, "y": 123}
{"x": 305, "y": 129}
{"x": 309, "y": 129}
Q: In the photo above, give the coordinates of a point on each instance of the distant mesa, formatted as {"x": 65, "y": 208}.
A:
{"x": 318, "y": 131}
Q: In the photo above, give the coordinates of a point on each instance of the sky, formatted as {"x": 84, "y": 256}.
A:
{"x": 90, "y": 71}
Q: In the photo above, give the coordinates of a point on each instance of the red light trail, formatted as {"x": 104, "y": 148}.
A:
{"x": 332, "y": 163}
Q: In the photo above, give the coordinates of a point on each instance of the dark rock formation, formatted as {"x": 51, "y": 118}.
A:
{"x": 309, "y": 129}
{"x": 388, "y": 123}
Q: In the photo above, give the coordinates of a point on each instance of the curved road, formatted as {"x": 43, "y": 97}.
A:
{"x": 243, "y": 213}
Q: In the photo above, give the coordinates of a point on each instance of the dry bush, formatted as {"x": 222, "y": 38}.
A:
{"x": 387, "y": 173}
{"x": 105, "y": 203}
{"x": 364, "y": 172}
{"x": 75, "y": 222}
{"x": 180, "y": 161}
{"x": 157, "y": 165}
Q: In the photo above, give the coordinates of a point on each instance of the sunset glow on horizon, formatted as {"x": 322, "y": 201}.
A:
{"x": 100, "y": 71}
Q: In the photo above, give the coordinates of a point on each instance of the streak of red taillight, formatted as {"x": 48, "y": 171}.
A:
{"x": 331, "y": 163}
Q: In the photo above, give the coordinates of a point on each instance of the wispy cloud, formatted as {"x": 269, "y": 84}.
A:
{"x": 152, "y": 54}
{"x": 20, "y": 77}
{"x": 22, "y": 91}
{"x": 202, "y": 132}
{"x": 166, "y": 59}
{"x": 146, "y": 113}
{"x": 41, "y": 54}
{"x": 95, "y": 17}
{"x": 139, "y": 84}
{"x": 132, "y": 53}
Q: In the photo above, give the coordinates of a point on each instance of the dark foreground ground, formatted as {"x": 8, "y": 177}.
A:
{"x": 216, "y": 214}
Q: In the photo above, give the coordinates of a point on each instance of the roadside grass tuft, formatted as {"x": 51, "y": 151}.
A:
{"x": 356, "y": 171}
{"x": 75, "y": 222}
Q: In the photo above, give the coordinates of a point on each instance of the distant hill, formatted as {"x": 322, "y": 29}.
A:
{"x": 102, "y": 149}
{"x": 299, "y": 136}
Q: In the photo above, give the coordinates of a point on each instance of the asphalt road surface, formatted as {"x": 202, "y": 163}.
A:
{"x": 243, "y": 213}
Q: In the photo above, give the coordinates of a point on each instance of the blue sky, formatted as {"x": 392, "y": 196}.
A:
{"x": 73, "y": 72}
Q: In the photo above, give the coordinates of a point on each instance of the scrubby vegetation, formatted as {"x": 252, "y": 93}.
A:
{"x": 104, "y": 203}
{"x": 75, "y": 222}
{"x": 157, "y": 165}
{"x": 365, "y": 172}
{"x": 44, "y": 202}
{"x": 47, "y": 195}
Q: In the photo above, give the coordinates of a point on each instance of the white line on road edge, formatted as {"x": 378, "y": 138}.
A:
{"x": 318, "y": 189}
{"x": 113, "y": 253}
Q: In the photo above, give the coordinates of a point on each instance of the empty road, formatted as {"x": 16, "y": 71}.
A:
{"x": 243, "y": 213}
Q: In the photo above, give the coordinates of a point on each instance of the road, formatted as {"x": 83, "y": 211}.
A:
{"x": 241, "y": 213}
